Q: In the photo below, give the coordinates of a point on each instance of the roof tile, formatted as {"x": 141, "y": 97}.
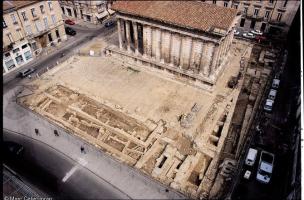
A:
{"x": 190, "y": 14}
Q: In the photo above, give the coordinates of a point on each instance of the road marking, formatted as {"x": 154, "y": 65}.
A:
{"x": 80, "y": 161}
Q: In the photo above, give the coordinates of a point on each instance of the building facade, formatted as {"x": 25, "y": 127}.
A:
{"x": 190, "y": 45}
{"x": 272, "y": 16}
{"x": 28, "y": 28}
{"x": 89, "y": 11}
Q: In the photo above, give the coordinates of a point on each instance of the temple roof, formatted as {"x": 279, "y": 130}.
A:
{"x": 189, "y": 14}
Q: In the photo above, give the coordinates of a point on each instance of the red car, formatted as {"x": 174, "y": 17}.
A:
{"x": 70, "y": 22}
{"x": 260, "y": 38}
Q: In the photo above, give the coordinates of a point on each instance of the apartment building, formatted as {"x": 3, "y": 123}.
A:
{"x": 28, "y": 28}
{"x": 89, "y": 11}
{"x": 272, "y": 16}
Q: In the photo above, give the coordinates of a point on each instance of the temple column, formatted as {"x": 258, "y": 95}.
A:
{"x": 215, "y": 54}
{"x": 128, "y": 36}
{"x": 165, "y": 47}
{"x": 196, "y": 54}
{"x": 119, "y": 33}
{"x": 206, "y": 60}
{"x": 157, "y": 43}
{"x": 147, "y": 40}
{"x": 134, "y": 24}
{"x": 175, "y": 49}
{"x": 186, "y": 46}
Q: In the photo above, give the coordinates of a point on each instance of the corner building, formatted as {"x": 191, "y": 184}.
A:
{"x": 189, "y": 39}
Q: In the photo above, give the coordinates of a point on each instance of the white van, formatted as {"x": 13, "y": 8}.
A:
{"x": 265, "y": 167}
{"x": 275, "y": 83}
{"x": 272, "y": 94}
{"x": 268, "y": 105}
{"x": 251, "y": 156}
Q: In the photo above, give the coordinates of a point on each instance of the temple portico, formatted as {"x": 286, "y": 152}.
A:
{"x": 194, "y": 54}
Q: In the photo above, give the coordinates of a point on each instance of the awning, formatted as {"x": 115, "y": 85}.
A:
{"x": 111, "y": 11}
{"x": 101, "y": 15}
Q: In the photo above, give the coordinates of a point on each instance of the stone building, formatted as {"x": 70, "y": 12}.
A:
{"x": 28, "y": 27}
{"x": 188, "y": 39}
{"x": 89, "y": 11}
{"x": 273, "y": 16}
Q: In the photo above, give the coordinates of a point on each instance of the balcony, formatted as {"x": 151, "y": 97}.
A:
{"x": 256, "y": 17}
{"x": 277, "y": 23}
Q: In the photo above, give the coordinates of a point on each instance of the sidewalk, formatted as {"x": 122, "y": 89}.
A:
{"x": 129, "y": 180}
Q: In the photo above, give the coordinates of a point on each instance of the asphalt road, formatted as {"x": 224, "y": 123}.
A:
{"x": 275, "y": 139}
{"x": 73, "y": 43}
{"x": 56, "y": 174}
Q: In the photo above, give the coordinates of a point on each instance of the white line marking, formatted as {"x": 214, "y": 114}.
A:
{"x": 80, "y": 161}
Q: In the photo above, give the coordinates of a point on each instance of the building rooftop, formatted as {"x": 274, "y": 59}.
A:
{"x": 7, "y": 5}
{"x": 189, "y": 14}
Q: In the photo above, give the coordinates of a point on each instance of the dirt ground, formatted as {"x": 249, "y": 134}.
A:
{"x": 135, "y": 114}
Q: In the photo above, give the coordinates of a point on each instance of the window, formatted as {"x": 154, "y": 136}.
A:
{"x": 39, "y": 26}
{"x": 24, "y": 46}
{"x": 50, "y": 37}
{"x": 28, "y": 30}
{"x": 33, "y": 12}
{"x": 57, "y": 33}
{"x": 54, "y": 19}
{"x": 19, "y": 60}
{"x": 28, "y": 55}
{"x": 16, "y": 50}
{"x": 245, "y": 10}
{"x": 50, "y": 5}
{"x": 10, "y": 64}
{"x": 225, "y": 4}
{"x": 236, "y": 6}
{"x": 214, "y": 1}
{"x": 285, "y": 3}
{"x": 7, "y": 55}
{"x": 270, "y": 1}
{"x": 42, "y": 9}
{"x": 4, "y": 24}
{"x": 10, "y": 37}
{"x": 267, "y": 14}
{"x": 279, "y": 17}
{"x": 256, "y": 12}
{"x": 14, "y": 19}
{"x": 24, "y": 16}
{"x": 62, "y": 8}
{"x": 46, "y": 23}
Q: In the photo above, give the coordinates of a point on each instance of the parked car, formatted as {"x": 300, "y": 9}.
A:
{"x": 236, "y": 32}
{"x": 272, "y": 94}
{"x": 261, "y": 38}
{"x": 26, "y": 72}
{"x": 257, "y": 32}
{"x": 70, "y": 31}
{"x": 265, "y": 167}
{"x": 275, "y": 83}
{"x": 109, "y": 24}
{"x": 69, "y": 22}
{"x": 268, "y": 105}
{"x": 248, "y": 35}
{"x": 251, "y": 157}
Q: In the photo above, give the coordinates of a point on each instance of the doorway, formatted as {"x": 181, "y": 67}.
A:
{"x": 263, "y": 27}
{"x": 252, "y": 24}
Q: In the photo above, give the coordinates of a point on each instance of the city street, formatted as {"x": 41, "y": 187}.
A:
{"x": 58, "y": 175}
{"x": 275, "y": 138}
{"x": 69, "y": 48}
